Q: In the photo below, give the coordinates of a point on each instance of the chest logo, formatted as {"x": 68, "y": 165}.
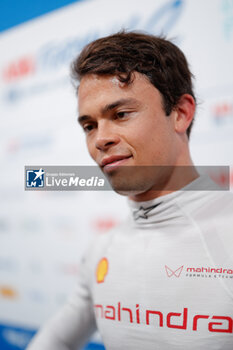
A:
{"x": 101, "y": 270}
{"x": 171, "y": 272}
{"x": 143, "y": 212}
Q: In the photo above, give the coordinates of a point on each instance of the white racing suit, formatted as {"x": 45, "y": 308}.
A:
{"x": 163, "y": 280}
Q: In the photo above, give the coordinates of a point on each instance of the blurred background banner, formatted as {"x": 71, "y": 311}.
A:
{"x": 43, "y": 235}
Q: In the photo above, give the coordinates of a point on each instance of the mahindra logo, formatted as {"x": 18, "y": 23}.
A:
{"x": 182, "y": 320}
{"x": 171, "y": 272}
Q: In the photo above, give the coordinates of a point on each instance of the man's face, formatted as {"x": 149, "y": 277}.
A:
{"x": 126, "y": 125}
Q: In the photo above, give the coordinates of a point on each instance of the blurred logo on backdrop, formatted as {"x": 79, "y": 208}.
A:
{"x": 53, "y": 56}
{"x": 12, "y": 337}
{"x": 103, "y": 225}
{"x": 222, "y": 113}
{"x": 226, "y": 7}
{"x": 8, "y": 292}
{"x": 35, "y": 178}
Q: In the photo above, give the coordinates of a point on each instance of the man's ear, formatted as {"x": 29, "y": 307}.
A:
{"x": 185, "y": 110}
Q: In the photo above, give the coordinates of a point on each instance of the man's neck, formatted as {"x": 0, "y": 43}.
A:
{"x": 179, "y": 178}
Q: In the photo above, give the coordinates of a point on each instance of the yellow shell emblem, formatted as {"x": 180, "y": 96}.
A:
{"x": 102, "y": 270}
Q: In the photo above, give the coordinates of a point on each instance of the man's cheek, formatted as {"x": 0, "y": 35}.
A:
{"x": 94, "y": 155}
{"x": 91, "y": 150}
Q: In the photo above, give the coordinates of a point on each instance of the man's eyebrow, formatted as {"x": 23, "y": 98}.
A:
{"x": 110, "y": 107}
{"x": 83, "y": 118}
{"x": 122, "y": 101}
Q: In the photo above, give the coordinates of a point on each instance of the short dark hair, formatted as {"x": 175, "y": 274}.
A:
{"x": 162, "y": 62}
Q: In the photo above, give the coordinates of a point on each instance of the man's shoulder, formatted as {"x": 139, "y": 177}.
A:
{"x": 210, "y": 213}
{"x": 208, "y": 203}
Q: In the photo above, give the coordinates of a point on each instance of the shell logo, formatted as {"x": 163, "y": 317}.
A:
{"x": 102, "y": 270}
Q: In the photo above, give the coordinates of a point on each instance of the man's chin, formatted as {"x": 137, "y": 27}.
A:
{"x": 128, "y": 192}
{"x": 128, "y": 185}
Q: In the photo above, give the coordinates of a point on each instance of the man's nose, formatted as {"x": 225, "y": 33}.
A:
{"x": 106, "y": 136}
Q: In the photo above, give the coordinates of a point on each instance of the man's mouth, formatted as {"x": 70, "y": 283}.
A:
{"x": 111, "y": 163}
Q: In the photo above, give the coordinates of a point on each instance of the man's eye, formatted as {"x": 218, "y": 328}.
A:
{"x": 87, "y": 128}
{"x": 121, "y": 115}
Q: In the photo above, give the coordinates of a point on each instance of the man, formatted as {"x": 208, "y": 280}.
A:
{"x": 163, "y": 280}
